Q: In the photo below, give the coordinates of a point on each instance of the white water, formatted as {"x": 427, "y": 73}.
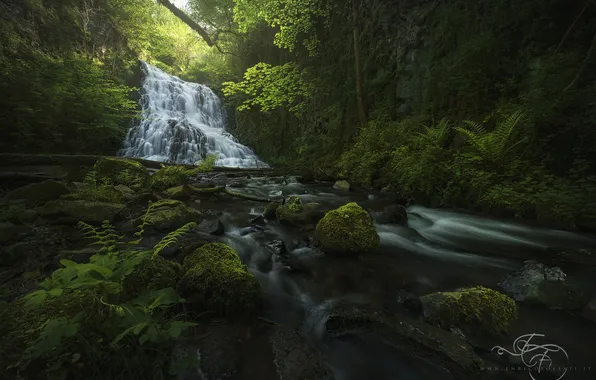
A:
{"x": 183, "y": 122}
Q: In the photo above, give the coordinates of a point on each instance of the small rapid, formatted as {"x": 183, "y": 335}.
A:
{"x": 183, "y": 122}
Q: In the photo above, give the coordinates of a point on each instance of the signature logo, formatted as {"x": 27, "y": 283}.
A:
{"x": 538, "y": 358}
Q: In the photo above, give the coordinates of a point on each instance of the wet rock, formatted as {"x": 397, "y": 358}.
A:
{"x": 71, "y": 212}
{"x": 535, "y": 283}
{"x": 294, "y": 358}
{"x": 219, "y": 358}
{"x": 437, "y": 347}
{"x": 178, "y": 192}
{"x": 294, "y": 213}
{"x": 409, "y": 300}
{"x": 14, "y": 253}
{"x": 475, "y": 308}
{"x": 589, "y": 311}
{"x": 168, "y": 215}
{"x": 258, "y": 220}
{"x": 39, "y": 192}
{"x": 237, "y": 184}
{"x": 216, "y": 279}
{"x": 213, "y": 227}
{"x": 306, "y": 178}
{"x": 125, "y": 190}
{"x": 155, "y": 273}
{"x": 119, "y": 171}
{"x": 277, "y": 247}
{"x": 581, "y": 256}
{"x": 394, "y": 214}
{"x": 347, "y": 230}
{"x": 303, "y": 243}
{"x": 342, "y": 185}
{"x": 143, "y": 198}
{"x": 270, "y": 210}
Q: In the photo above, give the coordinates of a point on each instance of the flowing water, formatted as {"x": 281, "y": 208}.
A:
{"x": 436, "y": 251}
{"x": 183, "y": 122}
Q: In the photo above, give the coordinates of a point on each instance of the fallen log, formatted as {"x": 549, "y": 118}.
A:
{"x": 246, "y": 196}
{"x": 207, "y": 190}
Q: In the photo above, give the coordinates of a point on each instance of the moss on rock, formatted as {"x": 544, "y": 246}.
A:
{"x": 67, "y": 211}
{"x": 169, "y": 214}
{"x": 39, "y": 192}
{"x": 119, "y": 171}
{"x": 347, "y": 230}
{"x": 153, "y": 274}
{"x": 271, "y": 209}
{"x": 218, "y": 280}
{"x": 169, "y": 176}
{"x": 477, "y": 307}
{"x": 294, "y": 213}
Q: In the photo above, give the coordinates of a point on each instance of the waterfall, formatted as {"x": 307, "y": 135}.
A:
{"x": 183, "y": 122}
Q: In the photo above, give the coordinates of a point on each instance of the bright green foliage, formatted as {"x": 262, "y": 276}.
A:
{"x": 347, "y": 230}
{"x": 296, "y": 20}
{"x": 477, "y": 307}
{"x": 120, "y": 171}
{"x": 497, "y": 145}
{"x": 218, "y": 281}
{"x": 174, "y": 175}
{"x": 97, "y": 190}
{"x": 94, "y": 312}
{"x": 270, "y": 87}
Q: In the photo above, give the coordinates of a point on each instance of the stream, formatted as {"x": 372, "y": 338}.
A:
{"x": 436, "y": 250}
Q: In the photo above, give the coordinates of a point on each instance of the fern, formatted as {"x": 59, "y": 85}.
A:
{"x": 172, "y": 238}
{"x": 438, "y": 135}
{"x": 496, "y": 145}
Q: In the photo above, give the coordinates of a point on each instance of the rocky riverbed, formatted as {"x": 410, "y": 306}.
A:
{"x": 314, "y": 281}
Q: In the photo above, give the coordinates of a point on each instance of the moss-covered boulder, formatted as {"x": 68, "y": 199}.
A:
{"x": 217, "y": 280}
{"x": 270, "y": 210}
{"x": 342, "y": 185}
{"x": 179, "y": 192}
{"x": 168, "y": 215}
{"x": 39, "y": 192}
{"x": 97, "y": 193}
{"x": 67, "y": 211}
{"x": 294, "y": 213}
{"x": 170, "y": 176}
{"x": 153, "y": 274}
{"x": 476, "y": 308}
{"x": 347, "y": 230}
{"x": 119, "y": 171}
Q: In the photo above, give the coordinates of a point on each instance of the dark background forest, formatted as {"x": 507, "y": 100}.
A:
{"x": 487, "y": 105}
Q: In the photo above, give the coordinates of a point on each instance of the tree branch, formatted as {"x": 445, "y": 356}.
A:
{"x": 188, "y": 21}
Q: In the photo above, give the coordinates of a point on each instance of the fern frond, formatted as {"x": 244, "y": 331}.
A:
{"x": 172, "y": 237}
{"x": 476, "y": 128}
{"x": 504, "y": 129}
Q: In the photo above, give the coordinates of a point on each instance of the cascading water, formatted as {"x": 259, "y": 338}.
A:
{"x": 183, "y": 122}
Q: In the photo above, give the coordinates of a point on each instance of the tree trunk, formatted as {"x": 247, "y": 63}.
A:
{"x": 187, "y": 20}
{"x": 357, "y": 53}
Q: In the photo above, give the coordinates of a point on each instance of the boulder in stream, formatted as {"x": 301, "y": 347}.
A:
{"x": 216, "y": 279}
{"x": 270, "y": 210}
{"x": 395, "y": 214}
{"x": 294, "y": 213}
{"x": 470, "y": 308}
{"x": 168, "y": 215}
{"x": 347, "y": 230}
{"x": 39, "y": 192}
{"x": 535, "y": 283}
{"x": 342, "y": 185}
{"x": 213, "y": 227}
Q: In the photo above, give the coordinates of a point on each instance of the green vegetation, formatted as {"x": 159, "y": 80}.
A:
{"x": 478, "y": 307}
{"x": 173, "y": 176}
{"x": 347, "y": 230}
{"x": 115, "y": 314}
{"x": 217, "y": 280}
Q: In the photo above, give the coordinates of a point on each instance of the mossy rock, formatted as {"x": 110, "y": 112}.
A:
{"x": 347, "y": 230}
{"x": 294, "y": 213}
{"x": 271, "y": 209}
{"x": 67, "y": 211}
{"x": 39, "y": 192}
{"x": 119, "y": 171}
{"x": 98, "y": 193}
{"x": 218, "y": 281}
{"x": 179, "y": 192}
{"x": 472, "y": 308}
{"x": 170, "y": 176}
{"x": 153, "y": 274}
{"x": 168, "y": 214}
